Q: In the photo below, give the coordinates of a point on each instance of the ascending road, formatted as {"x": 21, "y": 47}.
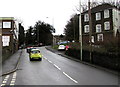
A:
{"x": 57, "y": 70}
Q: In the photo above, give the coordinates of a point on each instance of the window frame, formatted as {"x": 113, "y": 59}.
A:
{"x": 106, "y": 13}
{"x": 98, "y": 16}
{"x": 97, "y": 29}
{"x": 5, "y": 41}
{"x": 98, "y": 37}
{"x": 8, "y": 25}
{"x": 86, "y": 29}
{"x": 86, "y": 17}
{"x": 92, "y": 39}
{"x": 106, "y": 27}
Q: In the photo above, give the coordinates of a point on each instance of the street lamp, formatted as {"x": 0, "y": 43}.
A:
{"x": 80, "y": 30}
{"x": 54, "y": 39}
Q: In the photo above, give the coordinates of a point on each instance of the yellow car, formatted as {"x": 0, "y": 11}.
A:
{"x": 35, "y": 55}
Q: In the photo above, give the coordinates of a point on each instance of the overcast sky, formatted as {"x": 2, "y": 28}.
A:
{"x": 55, "y": 12}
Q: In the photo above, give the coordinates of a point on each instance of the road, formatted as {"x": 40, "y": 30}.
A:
{"x": 57, "y": 70}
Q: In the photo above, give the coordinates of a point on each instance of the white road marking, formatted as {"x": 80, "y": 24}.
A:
{"x": 49, "y": 61}
{"x": 57, "y": 67}
{"x": 13, "y": 79}
{"x": 7, "y": 76}
{"x": 14, "y": 74}
{"x": 12, "y": 84}
{"x": 70, "y": 77}
{"x": 62, "y": 72}
{"x": 45, "y": 58}
{"x": 2, "y": 84}
{"x": 5, "y": 80}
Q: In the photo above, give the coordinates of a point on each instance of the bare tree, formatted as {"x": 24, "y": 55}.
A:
{"x": 112, "y": 2}
{"x": 95, "y": 3}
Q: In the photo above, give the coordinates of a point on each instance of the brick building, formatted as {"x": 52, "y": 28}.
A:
{"x": 105, "y": 23}
{"x": 9, "y": 34}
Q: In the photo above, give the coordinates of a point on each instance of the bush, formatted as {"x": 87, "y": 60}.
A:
{"x": 55, "y": 47}
{"x": 106, "y": 60}
{"x": 105, "y": 55}
{"x": 111, "y": 45}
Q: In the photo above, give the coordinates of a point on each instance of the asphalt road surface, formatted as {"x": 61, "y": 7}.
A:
{"x": 57, "y": 70}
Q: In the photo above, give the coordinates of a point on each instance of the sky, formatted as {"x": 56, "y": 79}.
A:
{"x": 54, "y": 12}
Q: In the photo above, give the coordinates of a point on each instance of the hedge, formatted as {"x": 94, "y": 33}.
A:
{"x": 107, "y": 60}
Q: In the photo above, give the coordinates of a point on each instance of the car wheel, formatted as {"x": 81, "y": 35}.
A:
{"x": 30, "y": 59}
{"x": 40, "y": 59}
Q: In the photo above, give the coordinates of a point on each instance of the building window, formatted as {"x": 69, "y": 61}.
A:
{"x": 6, "y": 24}
{"x": 98, "y": 28}
{"x": 98, "y": 16}
{"x": 86, "y": 17}
{"x": 100, "y": 37}
{"x": 107, "y": 25}
{"x": 5, "y": 40}
{"x": 92, "y": 39}
{"x": 86, "y": 28}
{"x": 106, "y": 13}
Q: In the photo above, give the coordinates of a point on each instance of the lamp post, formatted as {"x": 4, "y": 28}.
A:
{"x": 90, "y": 30}
{"x": 0, "y": 45}
{"x": 54, "y": 39}
{"x": 80, "y": 30}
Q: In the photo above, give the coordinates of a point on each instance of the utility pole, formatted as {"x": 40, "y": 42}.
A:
{"x": 1, "y": 44}
{"x": 54, "y": 41}
{"x": 74, "y": 26}
{"x": 103, "y": 1}
{"x": 80, "y": 31}
{"x": 90, "y": 30}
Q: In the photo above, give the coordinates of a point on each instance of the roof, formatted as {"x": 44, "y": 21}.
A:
{"x": 100, "y": 8}
{"x": 6, "y": 18}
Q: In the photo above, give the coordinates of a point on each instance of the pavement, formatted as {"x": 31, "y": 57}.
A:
{"x": 10, "y": 65}
{"x": 62, "y": 53}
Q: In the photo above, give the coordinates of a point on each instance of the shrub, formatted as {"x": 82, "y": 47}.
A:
{"x": 111, "y": 45}
{"x": 106, "y": 54}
